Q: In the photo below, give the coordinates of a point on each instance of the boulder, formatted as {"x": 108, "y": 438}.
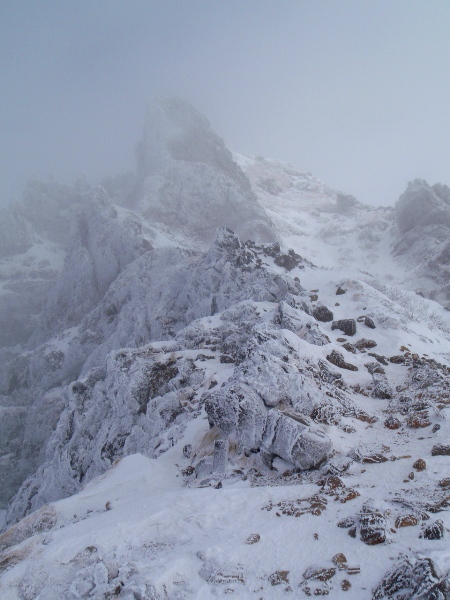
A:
{"x": 336, "y": 358}
{"x": 322, "y": 313}
{"x": 294, "y": 442}
{"x": 347, "y": 326}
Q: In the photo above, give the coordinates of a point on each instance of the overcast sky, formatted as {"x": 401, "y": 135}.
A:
{"x": 357, "y": 92}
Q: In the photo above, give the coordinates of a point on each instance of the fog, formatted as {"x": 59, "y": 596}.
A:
{"x": 355, "y": 92}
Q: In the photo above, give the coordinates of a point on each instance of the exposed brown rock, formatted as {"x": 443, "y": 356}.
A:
{"x": 347, "y": 326}
{"x": 397, "y": 360}
{"x": 372, "y": 526}
{"x": 381, "y": 359}
{"x": 349, "y": 347}
{"x": 279, "y": 577}
{"x": 406, "y": 521}
{"x": 376, "y": 457}
{"x": 440, "y": 450}
{"x": 392, "y": 423}
{"x": 420, "y": 465}
{"x": 323, "y": 314}
{"x": 363, "y": 343}
{"x": 418, "y": 419}
{"x": 340, "y": 561}
{"x": 433, "y": 531}
{"x": 336, "y": 358}
{"x": 322, "y": 574}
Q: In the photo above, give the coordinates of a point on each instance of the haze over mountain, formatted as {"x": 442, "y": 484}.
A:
{"x": 355, "y": 92}
{"x": 220, "y": 375}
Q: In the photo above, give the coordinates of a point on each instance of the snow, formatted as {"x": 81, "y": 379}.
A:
{"x": 174, "y": 383}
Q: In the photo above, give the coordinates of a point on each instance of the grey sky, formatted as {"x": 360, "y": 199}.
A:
{"x": 358, "y": 92}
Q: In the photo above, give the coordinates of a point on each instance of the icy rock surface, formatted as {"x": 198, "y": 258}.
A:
{"x": 153, "y": 297}
{"x": 142, "y": 399}
{"x": 187, "y": 178}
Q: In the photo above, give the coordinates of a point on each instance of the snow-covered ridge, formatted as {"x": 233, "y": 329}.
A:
{"x": 189, "y": 413}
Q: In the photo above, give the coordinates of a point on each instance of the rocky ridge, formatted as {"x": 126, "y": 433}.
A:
{"x": 212, "y": 398}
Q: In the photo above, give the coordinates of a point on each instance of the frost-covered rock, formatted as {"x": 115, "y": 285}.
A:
{"x": 187, "y": 178}
{"x": 153, "y": 297}
{"x": 118, "y": 410}
{"x": 291, "y": 439}
{"x": 420, "y": 578}
{"x": 423, "y": 246}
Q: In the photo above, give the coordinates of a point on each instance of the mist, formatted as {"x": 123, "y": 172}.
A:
{"x": 357, "y": 93}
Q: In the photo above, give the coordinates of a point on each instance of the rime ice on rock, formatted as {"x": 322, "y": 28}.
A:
{"x": 294, "y": 441}
{"x": 220, "y": 457}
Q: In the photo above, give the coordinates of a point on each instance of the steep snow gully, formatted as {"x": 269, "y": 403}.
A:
{"x": 219, "y": 376}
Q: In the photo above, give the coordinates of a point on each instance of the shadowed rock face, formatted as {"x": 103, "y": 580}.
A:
{"x": 423, "y": 205}
{"x": 423, "y": 222}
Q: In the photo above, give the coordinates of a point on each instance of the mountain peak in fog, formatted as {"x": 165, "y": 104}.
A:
{"x": 187, "y": 179}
